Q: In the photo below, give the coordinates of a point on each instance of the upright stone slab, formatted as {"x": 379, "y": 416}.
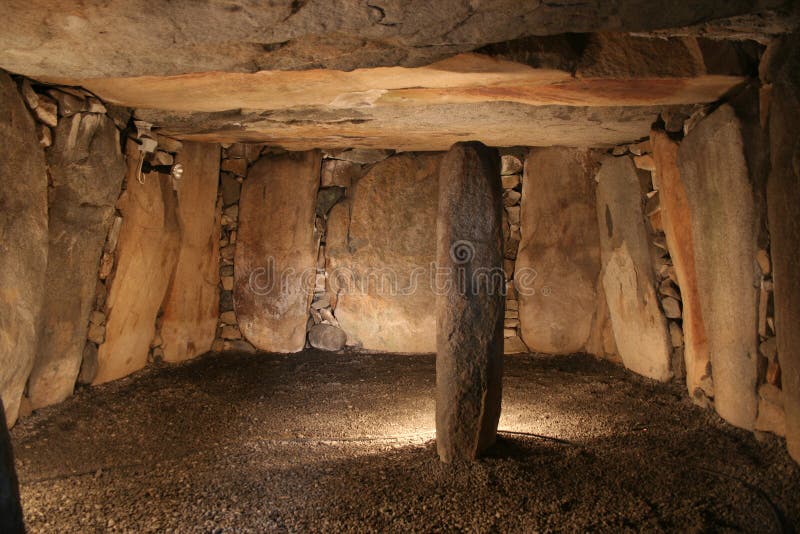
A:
{"x": 380, "y": 263}
{"x": 276, "y": 250}
{"x": 86, "y": 168}
{"x": 23, "y": 248}
{"x": 147, "y": 252}
{"x": 560, "y": 244}
{"x": 470, "y": 302}
{"x": 191, "y": 308}
{"x": 714, "y": 171}
{"x": 783, "y": 204}
{"x": 676, "y": 217}
{"x": 640, "y": 329}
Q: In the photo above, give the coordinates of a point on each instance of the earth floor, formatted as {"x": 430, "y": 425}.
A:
{"x": 344, "y": 442}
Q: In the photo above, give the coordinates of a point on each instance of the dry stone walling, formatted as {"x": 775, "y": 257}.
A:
{"x": 469, "y": 303}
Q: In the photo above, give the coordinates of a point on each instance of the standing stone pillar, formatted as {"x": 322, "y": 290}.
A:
{"x": 783, "y": 211}
{"x": 714, "y": 172}
{"x": 470, "y": 302}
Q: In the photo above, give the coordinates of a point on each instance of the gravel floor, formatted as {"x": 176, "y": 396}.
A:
{"x": 326, "y": 442}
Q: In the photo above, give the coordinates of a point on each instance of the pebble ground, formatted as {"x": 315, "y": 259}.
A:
{"x": 317, "y": 442}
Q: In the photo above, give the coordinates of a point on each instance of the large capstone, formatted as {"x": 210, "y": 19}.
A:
{"x": 276, "y": 250}
{"x": 640, "y": 329}
{"x": 559, "y": 258}
{"x": 86, "y": 167}
{"x": 23, "y": 249}
{"x": 470, "y": 302}
{"x": 192, "y": 305}
{"x": 147, "y": 252}
{"x": 715, "y": 174}
{"x": 380, "y": 247}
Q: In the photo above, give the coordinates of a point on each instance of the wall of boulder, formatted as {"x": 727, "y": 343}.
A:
{"x": 656, "y": 254}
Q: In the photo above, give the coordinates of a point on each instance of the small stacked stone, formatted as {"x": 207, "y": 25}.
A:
{"x": 771, "y": 415}
{"x": 324, "y": 331}
{"x": 236, "y": 159}
{"x": 511, "y": 176}
{"x": 668, "y": 289}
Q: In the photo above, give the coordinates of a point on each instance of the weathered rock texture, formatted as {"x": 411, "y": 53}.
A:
{"x": 676, "y": 218}
{"x": 276, "y": 250}
{"x": 147, "y": 253}
{"x": 640, "y": 329}
{"x": 86, "y": 169}
{"x": 191, "y": 308}
{"x": 720, "y": 199}
{"x": 493, "y": 95}
{"x": 23, "y": 248}
{"x": 560, "y": 244}
{"x": 54, "y": 39}
{"x": 610, "y": 75}
{"x": 783, "y": 195}
{"x": 416, "y": 128}
{"x": 469, "y": 312}
{"x": 381, "y": 253}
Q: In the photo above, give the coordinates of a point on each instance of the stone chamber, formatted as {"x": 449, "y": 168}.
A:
{"x": 407, "y": 266}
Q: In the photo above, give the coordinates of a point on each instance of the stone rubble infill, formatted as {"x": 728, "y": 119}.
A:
{"x": 337, "y": 173}
{"x": 771, "y": 416}
{"x": 236, "y": 159}
{"x": 511, "y": 177}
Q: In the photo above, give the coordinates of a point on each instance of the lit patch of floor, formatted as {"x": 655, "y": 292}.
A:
{"x": 325, "y": 442}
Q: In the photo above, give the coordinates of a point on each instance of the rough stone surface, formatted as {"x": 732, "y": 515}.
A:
{"x": 336, "y": 172}
{"x": 345, "y": 444}
{"x": 469, "y": 313}
{"x": 417, "y": 128}
{"x": 640, "y": 329}
{"x": 23, "y": 248}
{"x": 88, "y": 364}
{"x": 192, "y": 303}
{"x": 86, "y": 169}
{"x": 559, "y": 257}
{"x": 514, "y": 345}
{"x": 771, "y": 413}
{"x": 380, "y": 246}
{"x": 327, "y": 337}
{"x": 288, "y": 35}
{"x": 276, "y": 250}
{"x": 147, "y": 253}
{"x": 783, "y": 201}
{"x": 720, "y": 198}
{"x": 676, "y": 218}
